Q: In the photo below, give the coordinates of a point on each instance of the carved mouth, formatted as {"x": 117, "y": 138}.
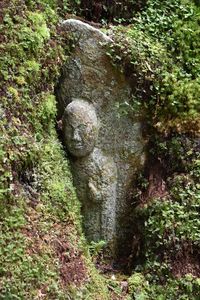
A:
{"x": 78, "y": 146}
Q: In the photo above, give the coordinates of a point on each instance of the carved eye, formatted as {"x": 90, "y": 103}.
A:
{"x": 82, "y": 127}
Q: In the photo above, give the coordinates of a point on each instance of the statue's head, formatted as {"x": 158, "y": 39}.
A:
{"x": 80, "y": 127}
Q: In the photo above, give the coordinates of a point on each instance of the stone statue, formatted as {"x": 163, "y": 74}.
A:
{"x": 107, "y": 150}
{"x": 95, "y": 175}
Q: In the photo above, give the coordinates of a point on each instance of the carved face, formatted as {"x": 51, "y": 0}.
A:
{"x": 80, "y": 128}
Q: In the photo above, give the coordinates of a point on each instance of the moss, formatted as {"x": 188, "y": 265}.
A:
{"x": 41, "y": 238}
{"x": 184, "y": 288}
{"x": 160, "y": 53}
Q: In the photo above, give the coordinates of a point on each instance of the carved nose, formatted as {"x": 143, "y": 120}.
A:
{"x": 76, "y": 136}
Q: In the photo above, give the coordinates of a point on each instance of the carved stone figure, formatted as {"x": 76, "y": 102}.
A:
{"x": 107, "y": 149}
{"x": 94, "y": 174}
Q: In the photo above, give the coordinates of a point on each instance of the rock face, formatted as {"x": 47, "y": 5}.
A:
{"x": 107, "y": 150}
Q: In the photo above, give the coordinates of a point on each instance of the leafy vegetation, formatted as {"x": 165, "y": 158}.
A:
{"x": 185, "y": 288}
{"x": 169, "y": 208}
{"x": 159, "y": 52}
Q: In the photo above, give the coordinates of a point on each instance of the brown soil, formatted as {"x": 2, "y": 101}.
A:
{"x": 186, "y": 261}
{"x": 57, "y": 242}
{"x": 72, "y": 266}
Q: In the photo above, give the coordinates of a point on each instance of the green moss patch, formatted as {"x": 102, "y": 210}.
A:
{"x": 43, "y": 254}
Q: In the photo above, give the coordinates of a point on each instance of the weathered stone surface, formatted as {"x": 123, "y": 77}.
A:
{"x": 95, "y": 177}
{"x": 80, "y": 127}
{"x": 107, "y": 150}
